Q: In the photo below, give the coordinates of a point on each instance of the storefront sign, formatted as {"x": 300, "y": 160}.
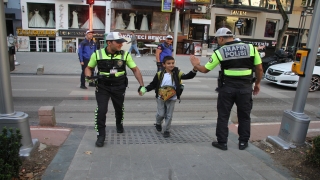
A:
{"x": 166, "y": 6}
{"x": 149, "y": 37}
{"x": 199, "y": 1}
{"x": 23, "y": 32}
{"x": 234, "y": 12}
{"x": 257, "y": 42}
{"x": 80, "y": 33}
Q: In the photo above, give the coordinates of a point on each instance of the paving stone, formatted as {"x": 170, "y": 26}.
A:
{"x": 76, "y": 174}
{"x": 81, "y": 163}
{"x": 100, "y": 169}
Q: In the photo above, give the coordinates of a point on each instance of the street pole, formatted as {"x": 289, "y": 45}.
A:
{"x": 175, "y": 35}
{"x": 90, "y": 16}
{"x": 107, "y": 22}
{"x": 295, "y": 124}
{"x": 8, "y": 117}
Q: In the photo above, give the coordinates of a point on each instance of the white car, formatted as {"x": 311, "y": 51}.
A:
{"x": 281, "y": 74}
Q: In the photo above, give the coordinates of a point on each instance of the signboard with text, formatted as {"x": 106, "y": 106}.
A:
{"x": 166, "y": 5}
{"x": 36, "y": 32}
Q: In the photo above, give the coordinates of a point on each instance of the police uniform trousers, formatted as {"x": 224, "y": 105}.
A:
{"x": 103, "y": 94}
{"x": 242, "y": 97}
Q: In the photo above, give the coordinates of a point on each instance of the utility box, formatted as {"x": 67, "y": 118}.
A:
{"x": 201, "y": 9}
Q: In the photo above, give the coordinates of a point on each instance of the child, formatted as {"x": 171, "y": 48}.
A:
{"x": 168, "y": 88}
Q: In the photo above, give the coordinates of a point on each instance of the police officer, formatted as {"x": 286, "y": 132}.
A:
{"x": 237, "y": 60}
{"x": 85, "y": 50}
{"x": 164, "y": 49}
{"x": 111, "y": 63}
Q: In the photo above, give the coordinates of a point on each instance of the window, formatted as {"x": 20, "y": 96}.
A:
{"x": 132, "y": 20}
{"x": 270, "y": 29}
{"x": 41, "y": 15}
{"x": 238, "y": 25}
{"x": 79, "y": 17}
{"x": 267, "y": 4}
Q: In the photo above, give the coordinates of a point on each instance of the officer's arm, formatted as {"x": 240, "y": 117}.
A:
{"x": 91, "y": 65}
{"x": 158, "y": 51}
{"x": 137, "y": 74}
{"x": 258, "y": 73}
{"x": 258, "y": 66}
{"x": 88, "y": 71}
{"x": 80, "y": 52}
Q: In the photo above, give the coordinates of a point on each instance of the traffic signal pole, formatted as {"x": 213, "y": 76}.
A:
{"x": 90, "y": 16}
{"x": 175, "y": 35}
{"x": 295, "y": 123}
{"x": 8, "y": 117}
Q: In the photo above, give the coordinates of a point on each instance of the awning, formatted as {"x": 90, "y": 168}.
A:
{"x": 201, "y": 21}
{"x": 120, "y": 5}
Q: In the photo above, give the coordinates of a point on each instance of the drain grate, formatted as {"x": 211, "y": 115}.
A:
{"x": 151, "y": 136}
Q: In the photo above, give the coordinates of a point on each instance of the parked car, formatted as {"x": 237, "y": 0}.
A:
{"x": 281, "y": 74}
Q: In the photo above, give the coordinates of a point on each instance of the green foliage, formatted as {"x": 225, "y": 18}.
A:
{"x": 10, "y": 161}
{"x": 313, "y": 155}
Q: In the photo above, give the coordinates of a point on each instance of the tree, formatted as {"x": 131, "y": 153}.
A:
{"x": 285, "y": 24}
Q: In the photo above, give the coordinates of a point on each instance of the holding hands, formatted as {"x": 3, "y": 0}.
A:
{"x": 89, "y": 79}
{"x": 142, "y": 90}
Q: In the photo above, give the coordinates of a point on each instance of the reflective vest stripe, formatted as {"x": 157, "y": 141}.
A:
{"x": 237, "y": 73}
{"x": 252, "y": 50}
{"x": 100, "y": 54}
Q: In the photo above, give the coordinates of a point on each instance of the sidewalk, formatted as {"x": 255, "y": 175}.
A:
{"x": 142, "y": 153}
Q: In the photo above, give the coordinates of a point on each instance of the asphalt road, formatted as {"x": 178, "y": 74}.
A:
{"x": 198, "y": 102}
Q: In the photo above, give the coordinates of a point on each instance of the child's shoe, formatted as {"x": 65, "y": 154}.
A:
{"x": 158, "y": 127}
{"x": 166, "y": 134}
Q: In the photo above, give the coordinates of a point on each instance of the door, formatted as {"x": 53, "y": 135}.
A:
{"x": 42, "y": 44}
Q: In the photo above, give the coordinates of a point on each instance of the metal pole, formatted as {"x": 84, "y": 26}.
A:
{"x": 8, "y": 117}
{"x": 175, "y": 36}
{"x": 90, "y": 16}
{"x": 313, "y": 44}
{"x": 295, "y": 124}
{"x": 108, "y": 17}
{"x": 6, "y": 105}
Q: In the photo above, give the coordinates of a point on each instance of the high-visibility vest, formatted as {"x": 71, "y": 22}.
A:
{"x": 237, "y": 60}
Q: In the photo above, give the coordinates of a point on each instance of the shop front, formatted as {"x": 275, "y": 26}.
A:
{"x": 36, "y": 40}
{"x": 67, "y": 19}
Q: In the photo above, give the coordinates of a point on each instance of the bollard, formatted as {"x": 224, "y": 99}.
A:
{"x": 40, "y": 69}
{"x": 47, "y": 116}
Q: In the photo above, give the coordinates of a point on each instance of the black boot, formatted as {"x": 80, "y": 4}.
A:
{"x": 100, "y": 141}
{"x": 120, "y": 128}
{"x": 243, "y": 145}
{"x": 222, "y": 146}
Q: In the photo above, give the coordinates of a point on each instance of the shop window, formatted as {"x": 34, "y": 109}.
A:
{"x": 41, "y": 15}
{"x": 270, "y": 29}
{"x": 267, "y": 4}
{"x": 238, "y": 25}
{"x": 69, "y": 45}
{"x": 79, "y": 17}
{"x": 132, "y": 20}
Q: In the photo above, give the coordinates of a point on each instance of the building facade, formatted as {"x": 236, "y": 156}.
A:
{"x": 12, "y": 15}
{"x": 59, "y": 26}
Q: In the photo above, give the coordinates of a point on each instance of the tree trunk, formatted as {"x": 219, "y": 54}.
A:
{"x": 284, "y": 27}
